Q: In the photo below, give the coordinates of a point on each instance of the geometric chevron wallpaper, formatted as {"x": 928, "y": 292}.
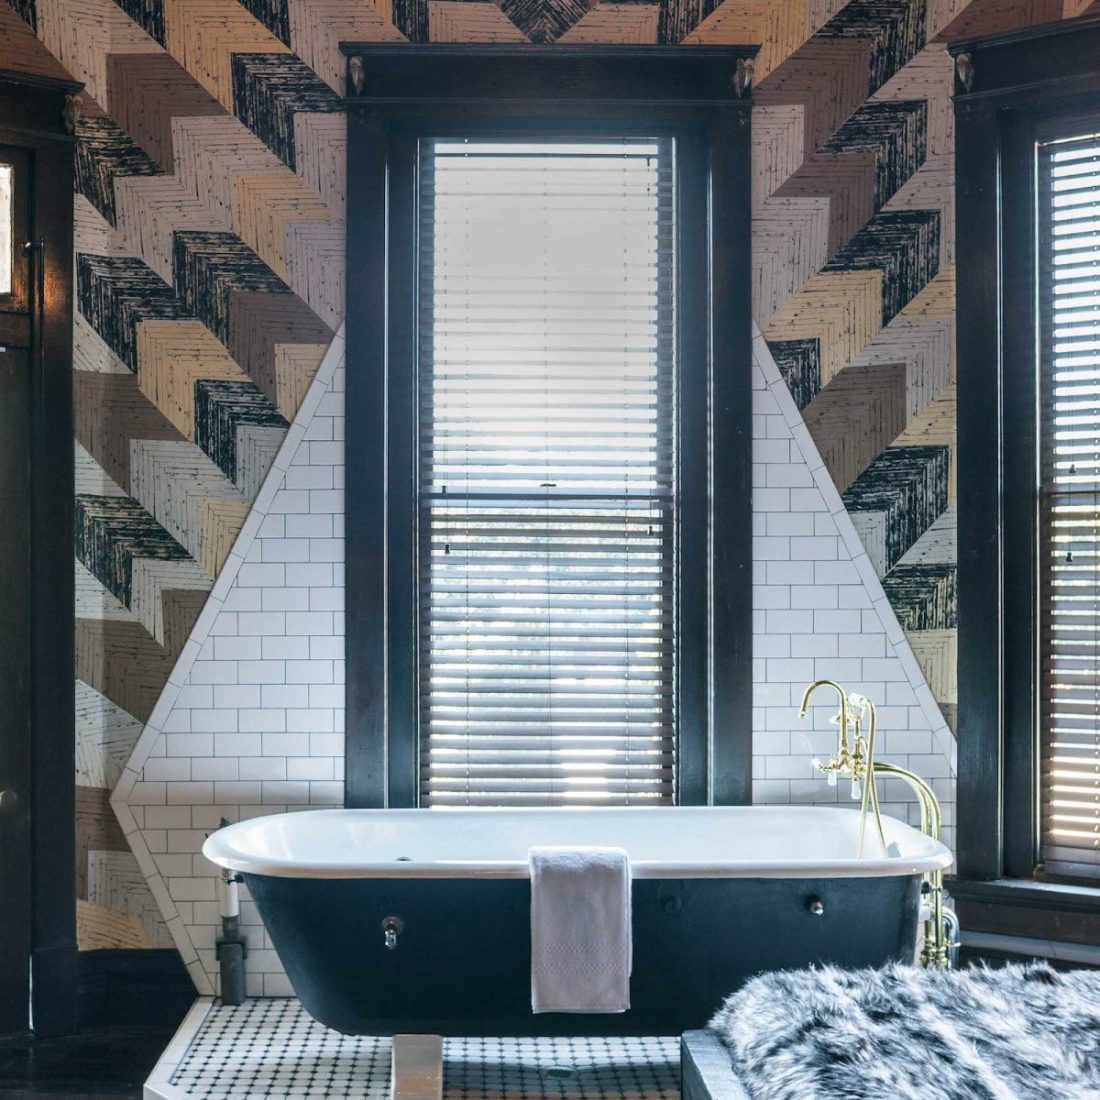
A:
{"x": 210, "y": 279}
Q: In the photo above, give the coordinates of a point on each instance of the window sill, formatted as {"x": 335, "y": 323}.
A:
{"x": 1020, "y": 907}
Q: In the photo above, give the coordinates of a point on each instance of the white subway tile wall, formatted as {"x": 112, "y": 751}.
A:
{"x": 252, "y": 719}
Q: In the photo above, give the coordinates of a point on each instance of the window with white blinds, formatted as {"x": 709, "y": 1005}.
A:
{"x": 546, "y": 494}
{"x": 1069, "y": 316}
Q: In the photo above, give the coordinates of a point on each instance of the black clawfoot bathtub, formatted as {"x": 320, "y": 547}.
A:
{"x": 418, "y": 920}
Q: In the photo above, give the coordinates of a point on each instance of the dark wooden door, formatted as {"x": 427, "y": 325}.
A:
{"x": 15, "y": 688}
{"x": 17, "y": 299}
{"x": 38, "y": 957}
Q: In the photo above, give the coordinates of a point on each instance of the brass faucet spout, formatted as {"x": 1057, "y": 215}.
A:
{"x": 842, "y": 716}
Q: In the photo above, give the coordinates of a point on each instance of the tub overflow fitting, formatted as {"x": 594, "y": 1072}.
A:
{"x": 392, "y": 927}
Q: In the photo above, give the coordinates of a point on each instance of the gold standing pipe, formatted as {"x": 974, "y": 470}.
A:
{"x": 936, "y": 949}
{"x": 855, "y": 757}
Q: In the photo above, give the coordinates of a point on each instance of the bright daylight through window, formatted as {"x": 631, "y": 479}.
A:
{"x": 546, "y": 487}
{"x": 1069, "y": 306}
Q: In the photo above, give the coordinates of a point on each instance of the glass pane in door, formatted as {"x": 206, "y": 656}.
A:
{"x": 7, "y": 218}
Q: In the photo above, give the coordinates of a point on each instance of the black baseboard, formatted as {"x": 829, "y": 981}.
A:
{"x": 53, "y": 1007}
{"x": 118, "y": 987}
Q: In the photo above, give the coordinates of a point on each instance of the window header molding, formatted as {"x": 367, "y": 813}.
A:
{"x": 1031, "y": 62}
{"x": 542, "y": 78}
{"x": 44, "y": 106}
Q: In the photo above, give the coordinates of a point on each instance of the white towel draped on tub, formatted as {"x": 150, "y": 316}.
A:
{"x": 581, "y": 945}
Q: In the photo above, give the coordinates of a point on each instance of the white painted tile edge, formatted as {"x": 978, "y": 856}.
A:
{"x": 157, "y": 1085}
{"x": 161, "y": 1090}
{"x": 177, "y": 678}
{"x": 941, "y": 732}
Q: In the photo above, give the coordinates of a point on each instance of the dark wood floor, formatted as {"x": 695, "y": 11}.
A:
{"x": 109, "y": 1064}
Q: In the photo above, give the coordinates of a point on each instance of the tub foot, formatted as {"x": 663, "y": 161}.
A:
{"x": 417, "y": 1072}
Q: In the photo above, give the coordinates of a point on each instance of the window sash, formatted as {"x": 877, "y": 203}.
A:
{"x": 1068, "y": 213}
{"x": 546, "y": 485}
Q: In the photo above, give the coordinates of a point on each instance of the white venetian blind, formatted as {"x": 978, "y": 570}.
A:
{"x": 546, "y": 473}
{"x": 1069, "y": 306}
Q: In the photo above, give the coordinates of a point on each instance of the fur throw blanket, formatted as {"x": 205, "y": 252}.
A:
{"x": 902, "y": 1033}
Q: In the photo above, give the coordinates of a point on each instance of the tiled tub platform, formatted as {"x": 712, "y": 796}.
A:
{"x": 272, "y": 1049}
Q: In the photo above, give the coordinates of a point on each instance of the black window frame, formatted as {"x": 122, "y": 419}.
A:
{"x": 701, "y": 97}
{"x": 1011, "y": 90}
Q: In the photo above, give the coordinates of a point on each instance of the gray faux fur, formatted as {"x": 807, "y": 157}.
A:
{"x": 903, "y": 1033}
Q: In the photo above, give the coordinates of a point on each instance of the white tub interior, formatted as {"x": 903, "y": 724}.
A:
{"x": 662, "y": 842}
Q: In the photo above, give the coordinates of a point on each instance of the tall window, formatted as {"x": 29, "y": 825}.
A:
{"x": 1027, "y": 248}
{"x": 1069, "y": 347}
{"x": 546, "y": 500}
{"x": 549, "y": 398}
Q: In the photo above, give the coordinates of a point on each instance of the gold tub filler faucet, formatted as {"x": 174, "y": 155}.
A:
{"x": 854, "y": 760}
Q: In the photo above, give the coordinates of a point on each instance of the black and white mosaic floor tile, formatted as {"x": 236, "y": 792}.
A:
{"x": 272, "y": 1049}
{"x": 562, "y": 1069}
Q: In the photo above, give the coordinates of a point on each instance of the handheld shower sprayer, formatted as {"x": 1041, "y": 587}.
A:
{"x": 855, "y": 754}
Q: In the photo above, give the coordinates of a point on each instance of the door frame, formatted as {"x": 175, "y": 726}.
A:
{"x": 38, "y": 114}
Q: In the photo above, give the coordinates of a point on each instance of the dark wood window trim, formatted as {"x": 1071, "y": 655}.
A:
{"x": 1030, "y": 910}
{"x": 396, "y": 93}
{"x": 1009, "y": 89}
